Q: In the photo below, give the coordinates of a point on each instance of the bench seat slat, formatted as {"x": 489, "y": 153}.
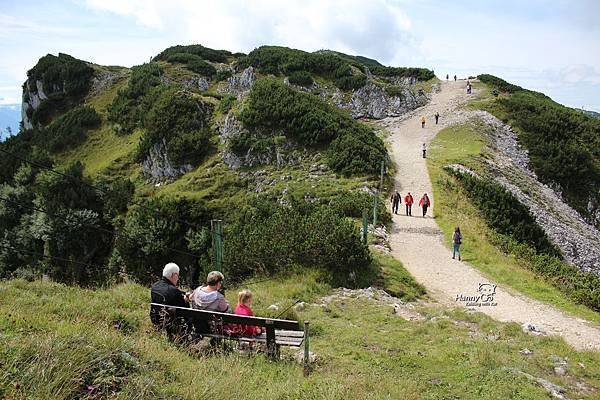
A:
{"x": 293, "y": 342}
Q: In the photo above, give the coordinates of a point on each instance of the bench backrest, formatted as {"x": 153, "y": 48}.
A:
{"x": 204, "y": 315}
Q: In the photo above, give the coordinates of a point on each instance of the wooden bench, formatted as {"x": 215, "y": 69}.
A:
{"x": 279, "y": 332}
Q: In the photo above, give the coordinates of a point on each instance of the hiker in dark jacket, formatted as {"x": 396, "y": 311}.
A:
{"x": 166, "y": 292}
{"x": 437, "y": 117}
{"x": 396, "y": 199}
{"x": 456, "y": 242}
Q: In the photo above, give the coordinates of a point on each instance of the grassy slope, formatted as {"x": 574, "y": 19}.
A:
{"x": 58, "y": 340}
{"x": 464, "y": 144}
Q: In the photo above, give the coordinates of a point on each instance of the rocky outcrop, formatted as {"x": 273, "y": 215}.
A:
{"x": 372, "y": 101}
{"x": 33, "y": 96}
{"x": 104, "y": 80}
{"x": 280, "y": 154}
{"x": 158, "y": 168}
{"x": 578, "y": 240}
{"x": 239, "y": 85}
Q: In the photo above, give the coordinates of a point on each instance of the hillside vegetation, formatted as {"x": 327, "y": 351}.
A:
{"x": 563, "y": 143}
{"x": 77, "y": 189}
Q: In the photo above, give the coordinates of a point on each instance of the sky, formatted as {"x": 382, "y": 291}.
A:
{"x": 552, "y": 46}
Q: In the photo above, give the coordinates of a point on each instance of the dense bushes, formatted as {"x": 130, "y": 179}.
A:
{"x": 181, "y": 121}
{"x": 267, "y": 238}
{"x": 128, "y": 107}
{"x": 70, "y": 129}
{"x": 499, "y": 84}
{"x": 421, "y": 74}
{"x": 301, "y": 78}
{"x": 65, "y": 80}
{"x": 204, "y": 53}
{"x": 505, "y": 213}
{"x": 193, "y": 63}
{"x": 563, "y": 144}
{"x": 310, "y": 121}
{"x": 352, "y": 204}
{"x": 282, "y": 60}
{"x": 144, "y": 244}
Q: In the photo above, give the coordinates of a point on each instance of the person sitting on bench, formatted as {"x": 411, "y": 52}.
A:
{"x": 209, "y": 297}
{"x": 165, "y": 291}
{"x": 244, "y": 307}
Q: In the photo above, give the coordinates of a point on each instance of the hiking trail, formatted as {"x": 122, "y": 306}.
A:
{"x": 418, "y": 242}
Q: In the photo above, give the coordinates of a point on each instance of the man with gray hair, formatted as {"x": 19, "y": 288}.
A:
{"x": 165, "y": 292}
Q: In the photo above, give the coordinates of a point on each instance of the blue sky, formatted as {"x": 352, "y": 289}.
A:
{"x": 550, "y": 46}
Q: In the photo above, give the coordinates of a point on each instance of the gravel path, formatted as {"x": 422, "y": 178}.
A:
{"x": 418, "y": 242}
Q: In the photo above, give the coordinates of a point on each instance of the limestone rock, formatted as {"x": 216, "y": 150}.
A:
{"x": 158, "y": 167}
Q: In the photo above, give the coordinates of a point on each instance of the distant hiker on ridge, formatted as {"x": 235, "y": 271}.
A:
{"x": 396, "y": 198}
{"x": 424, "y": 151}
{"x": 422, "y": 122}
{"x": 437, "y": 117}
{"x": 446, "y": 76}
{"x": 456, "y": 242}
{"x": 408, "y": 201}
{"x": 454, "y": 78}
{"x": 425, "y": 203}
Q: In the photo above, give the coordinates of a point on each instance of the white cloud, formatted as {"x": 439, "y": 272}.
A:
{"x": 345, "y": 25}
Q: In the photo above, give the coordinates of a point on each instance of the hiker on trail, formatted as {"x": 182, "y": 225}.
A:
{"x": 396, "y": 199}
{"x": 422, "y": 122}
{"x": 165, "y": 291}
{"x": 468, "y": 87}
{"x": 244, "y": 308}
{"x": 446, "y": 76}
{"x": 209, "y": 297}
{"x": 425, "y": 203}
{"x": 408, "y": 201}
{"x": 456, "y": 242}
{"x": 424, "y": 151}
{"x": 437, "y": 117}
{"x": 454, "y": 78}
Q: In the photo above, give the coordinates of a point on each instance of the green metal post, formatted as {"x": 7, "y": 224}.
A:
{"x": 381, "y": 176}
{"x": 216, "y": 227}
{"x": 375, "y": 201}
{"x": 365, "y": 225}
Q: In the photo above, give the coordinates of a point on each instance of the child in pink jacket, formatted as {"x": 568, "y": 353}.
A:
{"x": 243, "y": 308}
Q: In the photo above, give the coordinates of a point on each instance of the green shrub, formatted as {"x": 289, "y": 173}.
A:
{"x": 70, "y": 129}
{"x": 223, "y": 74}
{"x": 149, "y": 231}
{"x": 505, "y": 213}
{"x": 278, "y": 60}
{"x": 268, "y": 238}
{"x": 183, "y": 58}
{"x": 202, "y": 67}
{"x": 352, "y": 204}
{"x": 301, "y": 78}
{"x": 274, "y": 107}
{"x": 421, "y": 74}
{"x": 182, "y": 121}
{"x": 394, "y": 91}
{"x": 226, "y": 104}
{"x": 204, "y": 53}
{"x": 129, "y": 106}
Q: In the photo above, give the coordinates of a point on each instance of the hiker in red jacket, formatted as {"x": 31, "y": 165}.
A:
{"x": 408, "y": 201}
{"x": 425, "y": 203}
